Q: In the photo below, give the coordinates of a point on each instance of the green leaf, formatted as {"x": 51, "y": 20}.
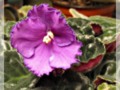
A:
{"x": 77, "y": 23}
{"x": 16, "y": 75}
{"x": 92, "y": 47}
{"x": 108, "y": 36}
{"x": 83, "y": 28}
{"x": 7, "y": 29}
{"x": 105, "y": 22}
{"x": 106, "y": 71}
{"x": 76, "y": 14}
{"x": 13, "y": 61}
{"x": 7, "y": 45}
{"x": 108, "y": 26}
{"x": 107, "y": 78}
{"x": 107, "y": 66}
{"x": 105, "y": 86}
{"x": 24, "y": 10}
{"x": 24, "y": 83}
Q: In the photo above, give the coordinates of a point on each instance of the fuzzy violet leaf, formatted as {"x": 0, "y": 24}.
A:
{"x": 107, "y": 66}
{"x": 7, "y": 45}
{"x": 98, "y": 28}
{"x": 104, "y": 79}
{"x": 86, "y": 67}
{"x": 105, "y": 22}
{"x": 15, "y": 79}
{"x": 108, "y": 28}
{"x": 12, "y": 60}
{"x": 105, "y": 86}
{"x": 91, "y": 45}
{"x": 93, "y": 49}
{"x": 102, "y": 27}
{"x": 7, "y": 29}
{"x": 80, "y": 26}
{"x": 108, "y": 36}
{"x": 24, "y": 10}
{"x": 106, "y": 71}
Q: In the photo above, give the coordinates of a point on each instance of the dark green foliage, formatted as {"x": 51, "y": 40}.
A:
{"x": 17, "y": 77}
{"x": 92, "y": 46}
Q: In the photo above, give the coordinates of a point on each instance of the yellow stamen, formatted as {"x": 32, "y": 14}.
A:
{"x": 50, "y": 34}
{"x": 48, "y": 38}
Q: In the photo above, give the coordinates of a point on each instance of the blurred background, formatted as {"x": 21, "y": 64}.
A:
{"x": 17, "y": 9}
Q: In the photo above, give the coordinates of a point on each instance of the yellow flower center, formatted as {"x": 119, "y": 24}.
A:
{"x": 48, "y": 38}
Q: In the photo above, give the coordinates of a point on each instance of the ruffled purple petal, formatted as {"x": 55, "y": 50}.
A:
{"x": 38, "y": 11}
{"x": 63, "y": 57}
{"x": 26, "y": 35}
{"x": 54, "y": 21}
{"x": 64, "y": 35}
{"x": 44, "y": 12}
{"x": 39, "y": 63}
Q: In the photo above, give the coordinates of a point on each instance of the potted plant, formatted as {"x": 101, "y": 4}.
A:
{"x": 86, "y": 7}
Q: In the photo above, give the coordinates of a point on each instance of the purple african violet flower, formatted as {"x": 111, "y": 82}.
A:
{"x": 45, "y": 40}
